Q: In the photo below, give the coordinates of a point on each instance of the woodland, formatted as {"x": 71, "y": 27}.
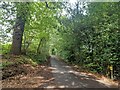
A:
{"x": 81, "y": 33}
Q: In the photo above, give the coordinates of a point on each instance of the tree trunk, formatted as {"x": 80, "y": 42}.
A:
{"x": 39, "y": 45}
{"x": 17, "y": 36}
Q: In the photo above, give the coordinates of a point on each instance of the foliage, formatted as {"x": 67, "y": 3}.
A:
{"x": 5, "y": 48}
{"x": 8, "y": 60}
{"x": 91, "y": 38}
{"x": 87, "y": 35}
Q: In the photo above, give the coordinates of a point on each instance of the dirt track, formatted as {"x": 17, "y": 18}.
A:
{"x": 66, "y": 77}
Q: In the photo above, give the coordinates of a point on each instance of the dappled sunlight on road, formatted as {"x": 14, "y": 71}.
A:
{"x": 66, "y": 77}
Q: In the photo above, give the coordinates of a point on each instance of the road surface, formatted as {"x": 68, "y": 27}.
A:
{"x": 65, "y": 77}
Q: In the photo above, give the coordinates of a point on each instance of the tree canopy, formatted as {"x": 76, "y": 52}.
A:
{"x": 82, "y": 33}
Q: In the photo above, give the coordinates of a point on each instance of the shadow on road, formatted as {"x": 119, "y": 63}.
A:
{"x": 65, "y": 77}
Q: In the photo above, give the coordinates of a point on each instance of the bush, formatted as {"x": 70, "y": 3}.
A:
{"x": 5, "y": 48}
{"x": 38, "y": 58}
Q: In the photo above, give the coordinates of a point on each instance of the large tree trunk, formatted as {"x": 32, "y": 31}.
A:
{"x": 17, "y": 36}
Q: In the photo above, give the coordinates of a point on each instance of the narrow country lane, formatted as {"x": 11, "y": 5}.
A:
{"x": 65, "y": 77}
